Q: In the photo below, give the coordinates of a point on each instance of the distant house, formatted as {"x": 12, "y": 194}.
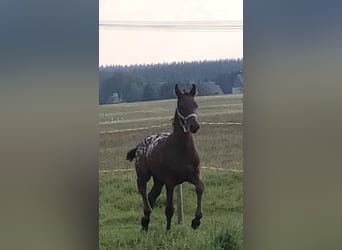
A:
{"x": 209, "y": 88}
{"x": 113, "y": 99}
{"x": 238, "y": 84}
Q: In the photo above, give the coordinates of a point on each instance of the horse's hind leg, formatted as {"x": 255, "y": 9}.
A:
{"x": 155, "y": 192}
{"x": 196, "y": 222}
{"x": 145, "y": 220}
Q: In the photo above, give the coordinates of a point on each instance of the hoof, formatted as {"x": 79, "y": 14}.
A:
{"x": 144, "y": 223}
{"x": 195, "y": 223}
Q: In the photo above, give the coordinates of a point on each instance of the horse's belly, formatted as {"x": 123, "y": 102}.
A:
{"x": 176, "y": 175}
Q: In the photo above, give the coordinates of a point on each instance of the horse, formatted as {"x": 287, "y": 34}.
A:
{"x": 170, "y": 159}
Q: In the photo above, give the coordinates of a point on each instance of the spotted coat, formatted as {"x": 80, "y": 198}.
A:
{"x": 146, "y": 147}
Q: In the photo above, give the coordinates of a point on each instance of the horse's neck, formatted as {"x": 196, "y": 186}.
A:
{"x": 182, "y": 139}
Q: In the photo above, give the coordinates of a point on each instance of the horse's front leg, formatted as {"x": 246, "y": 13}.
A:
{"x": 169, "y": 206}
{"x": 198, "y": 215}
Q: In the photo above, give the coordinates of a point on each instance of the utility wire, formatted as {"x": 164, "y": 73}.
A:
{"x": 174, "y": 25}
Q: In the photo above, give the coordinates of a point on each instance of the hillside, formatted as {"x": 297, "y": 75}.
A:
{"x": 156, "y": 81}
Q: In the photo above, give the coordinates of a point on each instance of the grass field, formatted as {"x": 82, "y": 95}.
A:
{"x": 219, "y": 146}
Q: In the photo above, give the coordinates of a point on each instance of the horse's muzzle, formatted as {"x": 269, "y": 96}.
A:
{"x": 194, "y": 128}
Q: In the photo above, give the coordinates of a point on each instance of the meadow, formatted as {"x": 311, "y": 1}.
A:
{"x": 219, "y": 146}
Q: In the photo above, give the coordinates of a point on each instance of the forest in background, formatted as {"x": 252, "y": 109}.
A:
{"x": 145, "y": 82}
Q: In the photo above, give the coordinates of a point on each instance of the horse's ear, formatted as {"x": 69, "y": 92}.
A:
{"x": 177, "y": 91}
{"x": 193, "y": 90}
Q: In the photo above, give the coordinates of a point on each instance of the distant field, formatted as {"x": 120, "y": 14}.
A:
{"x": 215, "y": 108}
{"x": 219, "y": 146}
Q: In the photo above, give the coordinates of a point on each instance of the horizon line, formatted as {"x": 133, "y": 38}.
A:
{"x": 170, "y": 62}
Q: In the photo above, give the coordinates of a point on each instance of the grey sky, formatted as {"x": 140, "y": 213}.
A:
{"x": 137, "y": 46}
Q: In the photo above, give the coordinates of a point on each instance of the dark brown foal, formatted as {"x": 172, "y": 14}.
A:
{"x": 170, "y": 159}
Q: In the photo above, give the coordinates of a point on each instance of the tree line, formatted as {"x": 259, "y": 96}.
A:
{"x": 156, "y": 81}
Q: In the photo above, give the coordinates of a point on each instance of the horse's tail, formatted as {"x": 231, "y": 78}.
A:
{"x": 131, "y": 154}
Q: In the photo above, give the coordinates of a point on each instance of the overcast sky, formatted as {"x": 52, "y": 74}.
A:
{"x": 137, "y": 46}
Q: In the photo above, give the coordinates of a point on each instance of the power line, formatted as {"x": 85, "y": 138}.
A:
{"x": 222, "y": 26}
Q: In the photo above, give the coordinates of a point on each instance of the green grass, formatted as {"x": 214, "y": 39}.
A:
{"x": 221, "y": 228}
{"x": 218, "y": 145}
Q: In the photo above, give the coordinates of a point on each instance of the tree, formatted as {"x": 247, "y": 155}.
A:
{"x": 167, "y": 91}
{"x": 127, "y": 84}
{"x": 150, "y": 93}
{"x": 133, "y": 91}
{"x": 226, "y": 81}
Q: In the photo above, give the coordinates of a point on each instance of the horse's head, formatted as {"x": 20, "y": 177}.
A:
{"x": 186, "y": 109}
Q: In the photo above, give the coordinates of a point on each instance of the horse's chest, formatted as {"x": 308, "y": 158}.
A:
{"x": 184, "y": 172}
{"x": 186, "y": 164}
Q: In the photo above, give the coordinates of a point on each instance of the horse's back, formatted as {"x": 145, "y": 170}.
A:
{"x": 148, "y": 145}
